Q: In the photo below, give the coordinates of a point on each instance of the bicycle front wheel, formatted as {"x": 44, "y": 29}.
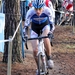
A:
{"x": 41, "y": 65}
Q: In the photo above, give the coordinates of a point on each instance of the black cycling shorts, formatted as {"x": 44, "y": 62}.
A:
{"x": 38, "y": 27}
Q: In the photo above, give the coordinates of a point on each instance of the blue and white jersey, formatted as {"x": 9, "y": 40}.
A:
{"x": 31, "y": 16}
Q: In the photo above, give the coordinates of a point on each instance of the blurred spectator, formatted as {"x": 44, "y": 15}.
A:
{"x": 50, "y": 5}
{"x": 54, "y": 2}
{"x": 27, "y": 4}
{"x": 22, "y": 7}
{"x": 68, "y": 5}
{"x": 58, "y": 9}
{"x": 30, "y": 4}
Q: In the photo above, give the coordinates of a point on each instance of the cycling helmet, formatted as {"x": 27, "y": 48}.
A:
{"x": 38, "y": 3}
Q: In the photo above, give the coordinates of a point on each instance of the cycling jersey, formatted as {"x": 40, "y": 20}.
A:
{"x": 39, "y": 21}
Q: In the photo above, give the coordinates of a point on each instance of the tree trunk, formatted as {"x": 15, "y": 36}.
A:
{"x": 12, "y": 12}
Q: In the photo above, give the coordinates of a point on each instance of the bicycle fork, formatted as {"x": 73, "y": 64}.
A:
{"x": 43, "y": 56}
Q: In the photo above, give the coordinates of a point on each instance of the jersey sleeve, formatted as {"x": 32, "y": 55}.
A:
{"x": 51, "y": 20}
{"x": 27, "y": 19}
{"x": 50, "y": 15}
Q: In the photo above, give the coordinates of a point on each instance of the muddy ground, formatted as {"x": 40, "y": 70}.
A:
{"x": 63, "y": 52}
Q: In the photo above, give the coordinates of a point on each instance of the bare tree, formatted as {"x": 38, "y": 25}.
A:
{"x": 12, "y": 12}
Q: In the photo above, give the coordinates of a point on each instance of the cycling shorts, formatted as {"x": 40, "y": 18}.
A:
{"x": 37, "y": 29}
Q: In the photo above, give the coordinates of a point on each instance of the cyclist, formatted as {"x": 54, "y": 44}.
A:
{"x": 40, "y": 18}
{"x": 68, "y": 5}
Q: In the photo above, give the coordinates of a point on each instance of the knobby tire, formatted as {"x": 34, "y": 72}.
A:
{"x": 41, "y": 65}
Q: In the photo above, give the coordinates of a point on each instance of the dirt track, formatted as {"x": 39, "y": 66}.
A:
{"x": 63, "y": 56}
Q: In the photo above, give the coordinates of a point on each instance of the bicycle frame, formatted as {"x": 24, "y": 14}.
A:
{"x": 41, "y": 53}
{"x": 41, "y": 47}
{"x": 65, "y": 17}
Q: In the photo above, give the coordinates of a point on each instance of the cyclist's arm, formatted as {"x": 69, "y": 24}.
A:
{"x": 53, "y": 27}
{"x": 51, "y": 21}
{"x": 27, "y": 23}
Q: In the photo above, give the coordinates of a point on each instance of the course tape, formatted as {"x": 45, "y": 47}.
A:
{"x": 9, "y": 40}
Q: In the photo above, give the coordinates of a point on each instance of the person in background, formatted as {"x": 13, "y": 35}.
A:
{"x": 58, "y": 10}
{"x": 30, "y": 4}
{"x": 49, "y": 4}
{"x": 68, "y": 5}
{"x": 27, "y": 4}
{"x": 24, "y": 6}
{"x": 54, "y": 2}
{"x": 23, "y": 10}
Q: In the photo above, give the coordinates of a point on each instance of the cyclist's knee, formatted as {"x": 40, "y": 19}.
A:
{"x": 35, "y": 52}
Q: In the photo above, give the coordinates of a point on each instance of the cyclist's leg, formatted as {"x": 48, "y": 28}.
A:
{"x": 46, "y": 30}
{"x": 34, "y": 44}
{"x": 47, "y": 44}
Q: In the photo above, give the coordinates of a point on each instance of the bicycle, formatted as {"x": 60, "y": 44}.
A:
{"x": 41, "y": 55}
{"x": 66, "y": 19}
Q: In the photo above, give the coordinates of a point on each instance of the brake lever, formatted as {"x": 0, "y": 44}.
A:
{"x": 25, "y": 40}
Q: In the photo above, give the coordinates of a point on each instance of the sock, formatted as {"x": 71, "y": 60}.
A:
{"x": 48, "y": 57}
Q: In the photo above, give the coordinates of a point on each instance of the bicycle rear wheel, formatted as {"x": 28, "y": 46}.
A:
{"x": 41, "y": 65}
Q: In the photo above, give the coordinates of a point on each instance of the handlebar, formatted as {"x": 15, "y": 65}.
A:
{"x": 50, "y": 36}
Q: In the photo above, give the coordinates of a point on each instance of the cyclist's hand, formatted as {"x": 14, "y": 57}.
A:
{"x": 25, "y": 30}
{"x": 50, "y": 34}
{"x": 25, "y": 36}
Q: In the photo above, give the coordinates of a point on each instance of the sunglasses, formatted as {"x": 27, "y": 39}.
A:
{"x": 38, "y": 8}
